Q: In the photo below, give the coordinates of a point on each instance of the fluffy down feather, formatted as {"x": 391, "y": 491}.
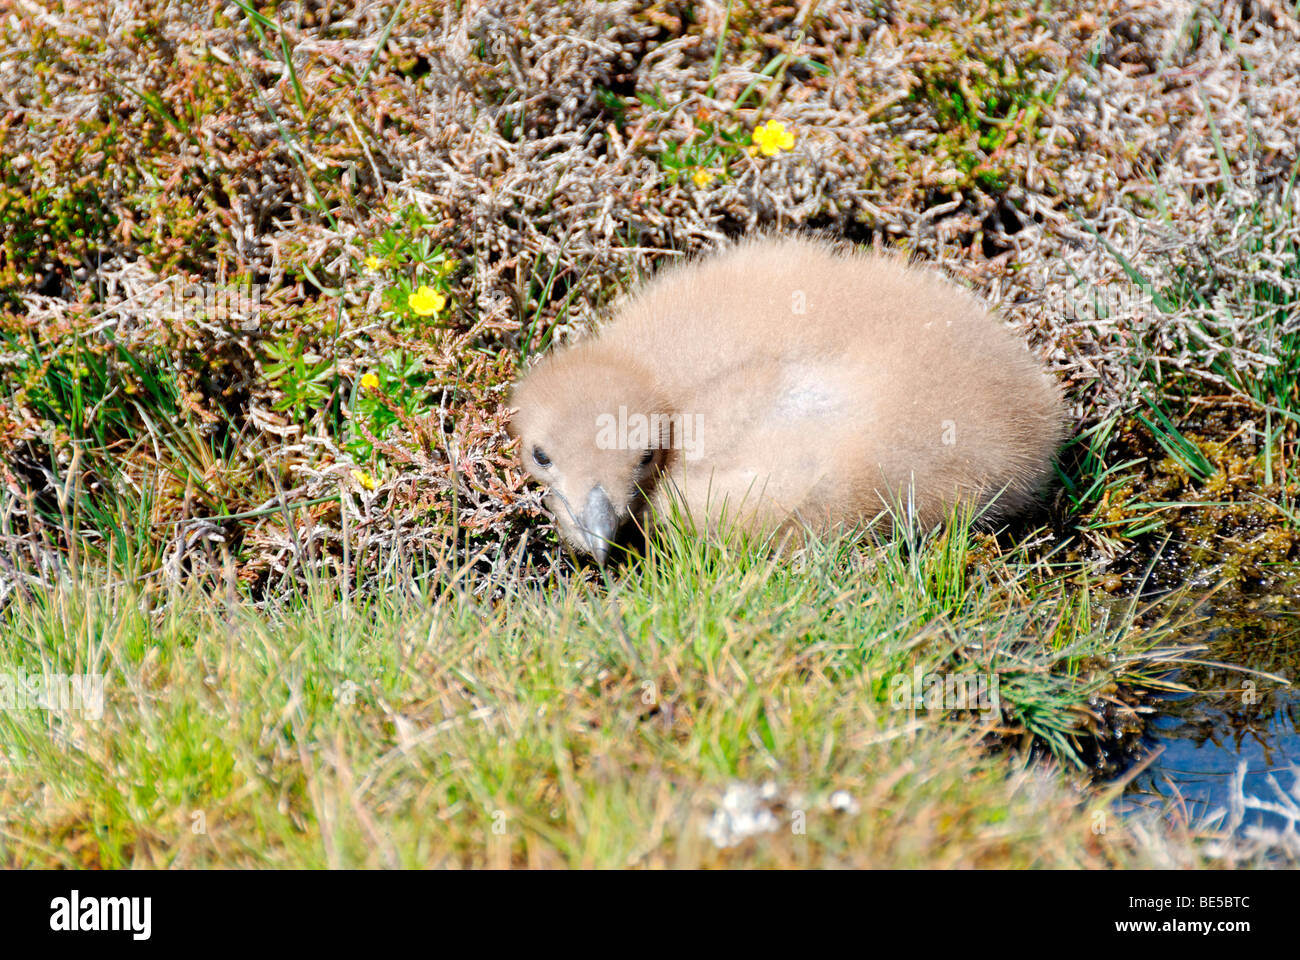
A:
{"x": 785, "y": 384}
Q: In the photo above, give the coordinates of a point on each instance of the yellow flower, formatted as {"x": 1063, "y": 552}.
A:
{"x": 372, "y": 263}
{"x": 370, "y": 382}
{"x": 426, "y": 301}
{"x": 703, "y": 178}
{"x": 363, "y": 478}
{"x": 772, "y": 137}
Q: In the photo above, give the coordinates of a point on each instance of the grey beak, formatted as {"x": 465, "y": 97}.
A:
{"x": 598, "y": 523}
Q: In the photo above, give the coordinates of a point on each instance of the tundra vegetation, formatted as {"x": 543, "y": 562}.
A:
{"x": 266, "y": 273}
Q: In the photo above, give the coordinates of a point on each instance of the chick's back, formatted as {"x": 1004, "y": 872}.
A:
{"x": 831, "y": 384}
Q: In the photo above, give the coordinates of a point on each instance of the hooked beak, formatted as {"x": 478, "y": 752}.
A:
{"x": 598, "y": 523}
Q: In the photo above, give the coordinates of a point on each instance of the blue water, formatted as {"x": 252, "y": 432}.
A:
{"x": 1200, "y": 738}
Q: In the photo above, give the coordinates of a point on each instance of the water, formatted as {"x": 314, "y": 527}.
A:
{"x": 1200, "y": 739}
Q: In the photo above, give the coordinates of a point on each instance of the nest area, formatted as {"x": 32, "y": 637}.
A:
{"x": 529, "y": 162}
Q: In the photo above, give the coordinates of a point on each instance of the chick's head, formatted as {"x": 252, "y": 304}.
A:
{"x": 594, "y": 428}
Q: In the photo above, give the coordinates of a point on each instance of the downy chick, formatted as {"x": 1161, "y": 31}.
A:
{"x": 786, "y": 383}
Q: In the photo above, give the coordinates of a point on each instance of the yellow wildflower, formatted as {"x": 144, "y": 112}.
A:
{"x": 372, "y": 263}
{"x": 363, "y": 478}
{"x": 772, "y": 137}
{"x": 370, "y": 382}
{"x": 426, "y": 301}
{"x": 703, "y": 178}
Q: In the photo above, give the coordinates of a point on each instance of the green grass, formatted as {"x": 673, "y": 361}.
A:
{"x": 575, "y": 722}
{"x": 1227, "y": 309}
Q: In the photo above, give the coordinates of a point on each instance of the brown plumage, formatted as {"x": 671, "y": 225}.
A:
{"x": 788, "y": 383}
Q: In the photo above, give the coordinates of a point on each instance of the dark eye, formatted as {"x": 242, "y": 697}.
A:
{"x": 540, "y": 457}
{"x": 647, "y": 457}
